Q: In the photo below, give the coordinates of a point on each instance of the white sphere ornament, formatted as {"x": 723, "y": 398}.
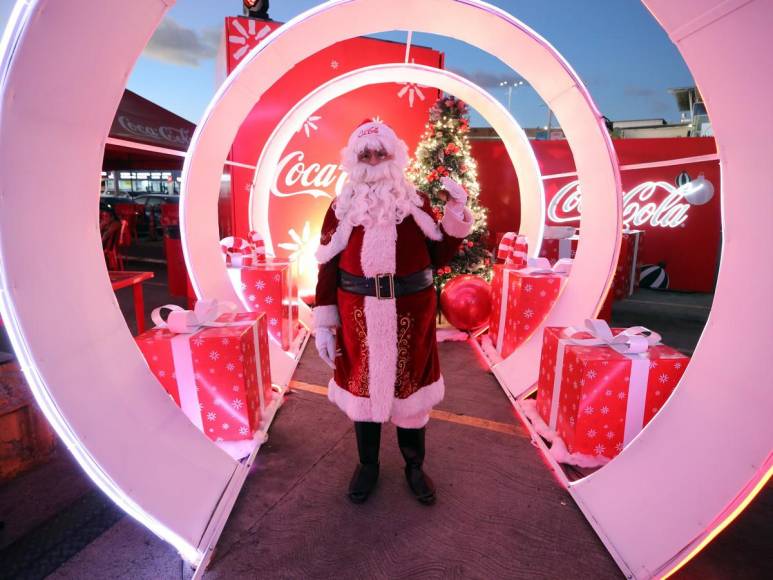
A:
{"x": 698, "y": 191}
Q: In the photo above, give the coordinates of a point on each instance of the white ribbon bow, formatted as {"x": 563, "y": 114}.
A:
{"x": 181, "y": 321}
{"x": 633, "y": 340}
{"x": 541, "y": 267}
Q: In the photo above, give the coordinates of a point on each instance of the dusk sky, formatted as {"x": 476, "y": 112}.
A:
{"x": 617, "y": 48}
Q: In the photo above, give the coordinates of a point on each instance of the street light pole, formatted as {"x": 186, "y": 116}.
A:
{"x": 510, "y": 86}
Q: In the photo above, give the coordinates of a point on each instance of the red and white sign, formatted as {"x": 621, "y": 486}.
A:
{"x": 684, "y": 237}
{"x": 308, "y": 175}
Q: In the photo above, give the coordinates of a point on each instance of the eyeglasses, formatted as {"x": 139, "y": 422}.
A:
{"x": 368, "y": 155}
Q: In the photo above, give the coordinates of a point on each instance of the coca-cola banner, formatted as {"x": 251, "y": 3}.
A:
{"x": 138, "y": 119}
{"x": 684, "y": 238}
{"x": 308, "y": 175}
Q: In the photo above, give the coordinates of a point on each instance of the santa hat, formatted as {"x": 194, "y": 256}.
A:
{"x": 372, "y": 134}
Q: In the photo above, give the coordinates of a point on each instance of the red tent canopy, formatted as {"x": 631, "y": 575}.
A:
{"x": 146, "y": 136}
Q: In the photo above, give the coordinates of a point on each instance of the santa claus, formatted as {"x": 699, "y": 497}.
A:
{"x": 375, "y": 301}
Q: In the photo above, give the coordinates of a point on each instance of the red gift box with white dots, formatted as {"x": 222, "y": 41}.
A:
{"x": 520, "y": 302}
{"x": 598, "y": 409}
{"x": 219, "y": 376}
{"x": 270, "y": 288}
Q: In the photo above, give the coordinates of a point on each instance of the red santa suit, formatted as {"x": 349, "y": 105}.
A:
{"x": 388, "y": 364}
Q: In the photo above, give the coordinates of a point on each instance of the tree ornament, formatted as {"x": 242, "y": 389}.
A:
{"x": 466, "y": 302}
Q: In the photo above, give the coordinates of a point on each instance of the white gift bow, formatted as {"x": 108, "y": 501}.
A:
{"x": 181, "y": 321}
{"x": 633, "y": 340}
{"x": 541, "y": 267}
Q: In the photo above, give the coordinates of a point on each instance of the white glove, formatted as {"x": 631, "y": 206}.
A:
{"x": 325, "y": 341}
{"x": 456, "y": 191}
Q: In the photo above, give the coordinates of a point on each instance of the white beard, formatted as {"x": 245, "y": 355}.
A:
{"x": 376, "y": 195}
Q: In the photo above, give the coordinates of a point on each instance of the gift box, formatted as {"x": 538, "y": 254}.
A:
{"x": 270, "y": 288}
{"x": 216, "y": 368}
{"x": 521, "y": 299}
{"x": 555, "y": 249}
{"x": 599, "y": 387}
{"x": 626, "y": 279}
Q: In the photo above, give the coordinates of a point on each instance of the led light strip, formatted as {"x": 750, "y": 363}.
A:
{"x": 19, "y": 20}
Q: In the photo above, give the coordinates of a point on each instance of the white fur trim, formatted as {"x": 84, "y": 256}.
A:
{"x": 456, "y": 228}
{"x": 337, "y": 243}
{"x": 379, "y": 245}
{"x": 356, "y": 408}
{"x": 326, "y": 316}
{"x": 426, "y": 223}
{"x": 410, "y": 413}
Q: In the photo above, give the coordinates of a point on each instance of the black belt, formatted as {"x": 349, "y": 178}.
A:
{"x": 384, "y": 286}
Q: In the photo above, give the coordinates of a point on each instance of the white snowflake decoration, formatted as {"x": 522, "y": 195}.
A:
{"x": 214, "y": 355}
{"x": 591, "y": 374}
{"x": 599, "y": 449}
{"x": 591, "y": 433}
{"x": 211, "y": 416}
{"x": 269, "y": 300}
{"x": 273, "y": 322}
{"x": 309, "y": 125}
{"x": 663, "y": 378}
{"x": 528, "y": 313}
{"x": 243, "y": 431}
{"x": 300, "y": 244}
{"x": 589, "y": 410}
{"x": 259, "y": 285}
{"x": 230, "y": 367}
{"x": 413, "y": 91}
{"x": 604, "y": 410}
{"x": 237, "y": 404}
{"x": 334, "y": 64}
{"x": 225, "y": 426}
{"x": 246, "y": 37}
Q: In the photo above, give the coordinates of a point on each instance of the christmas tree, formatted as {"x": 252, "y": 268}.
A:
{"x": 444, "y": 150}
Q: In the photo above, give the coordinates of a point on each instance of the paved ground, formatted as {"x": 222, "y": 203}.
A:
{"x": 500, "y": 513}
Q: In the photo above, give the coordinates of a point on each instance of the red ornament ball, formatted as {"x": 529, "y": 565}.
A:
{"x": 466, "y": 302}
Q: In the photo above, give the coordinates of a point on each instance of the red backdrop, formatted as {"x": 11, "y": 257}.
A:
{"x": 306, "y": 178}
{"x": 689, "y": 250}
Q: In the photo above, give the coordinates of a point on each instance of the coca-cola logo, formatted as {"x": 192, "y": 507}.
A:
{"x": 639, "y": 209}
{"x": 372, "y": 130}
{"x": 294, "y": 177}
{"x": 175, "y": 135}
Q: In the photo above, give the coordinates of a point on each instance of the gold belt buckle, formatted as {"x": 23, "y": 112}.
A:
{"x": 391, "y": 278}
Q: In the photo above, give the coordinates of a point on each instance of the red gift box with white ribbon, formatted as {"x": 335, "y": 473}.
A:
{"x": 598, "y": 387}
{"x": 626, "y": 275}
{"x": 271, "y": 288}
{"x": 521, "y": 300}
{"x": 216, "y": 368}
{"x": 558, "y": 249}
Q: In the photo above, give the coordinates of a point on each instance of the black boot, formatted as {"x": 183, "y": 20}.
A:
{"x": 411, "y": 442}
{"x": 366, "y": 475}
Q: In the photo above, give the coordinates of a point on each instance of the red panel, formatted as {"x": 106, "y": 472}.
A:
{"x": 689, "y": 251}
{"x": 309, "y": 171}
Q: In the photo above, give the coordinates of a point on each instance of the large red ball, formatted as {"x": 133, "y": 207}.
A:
{"x": 466, "y": 302}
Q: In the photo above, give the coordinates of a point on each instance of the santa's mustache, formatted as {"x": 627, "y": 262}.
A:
{"x": 366, "y": 173}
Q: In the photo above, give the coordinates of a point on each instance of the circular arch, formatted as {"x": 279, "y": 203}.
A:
{"x": 472, "y": 21}
{"x": 628, "y": 500}
{"x": 516, "y": 142}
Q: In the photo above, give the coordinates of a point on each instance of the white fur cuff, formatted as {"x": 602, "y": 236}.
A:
{"x": 455, "y": 227}
{"x": 326, "y": 316}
